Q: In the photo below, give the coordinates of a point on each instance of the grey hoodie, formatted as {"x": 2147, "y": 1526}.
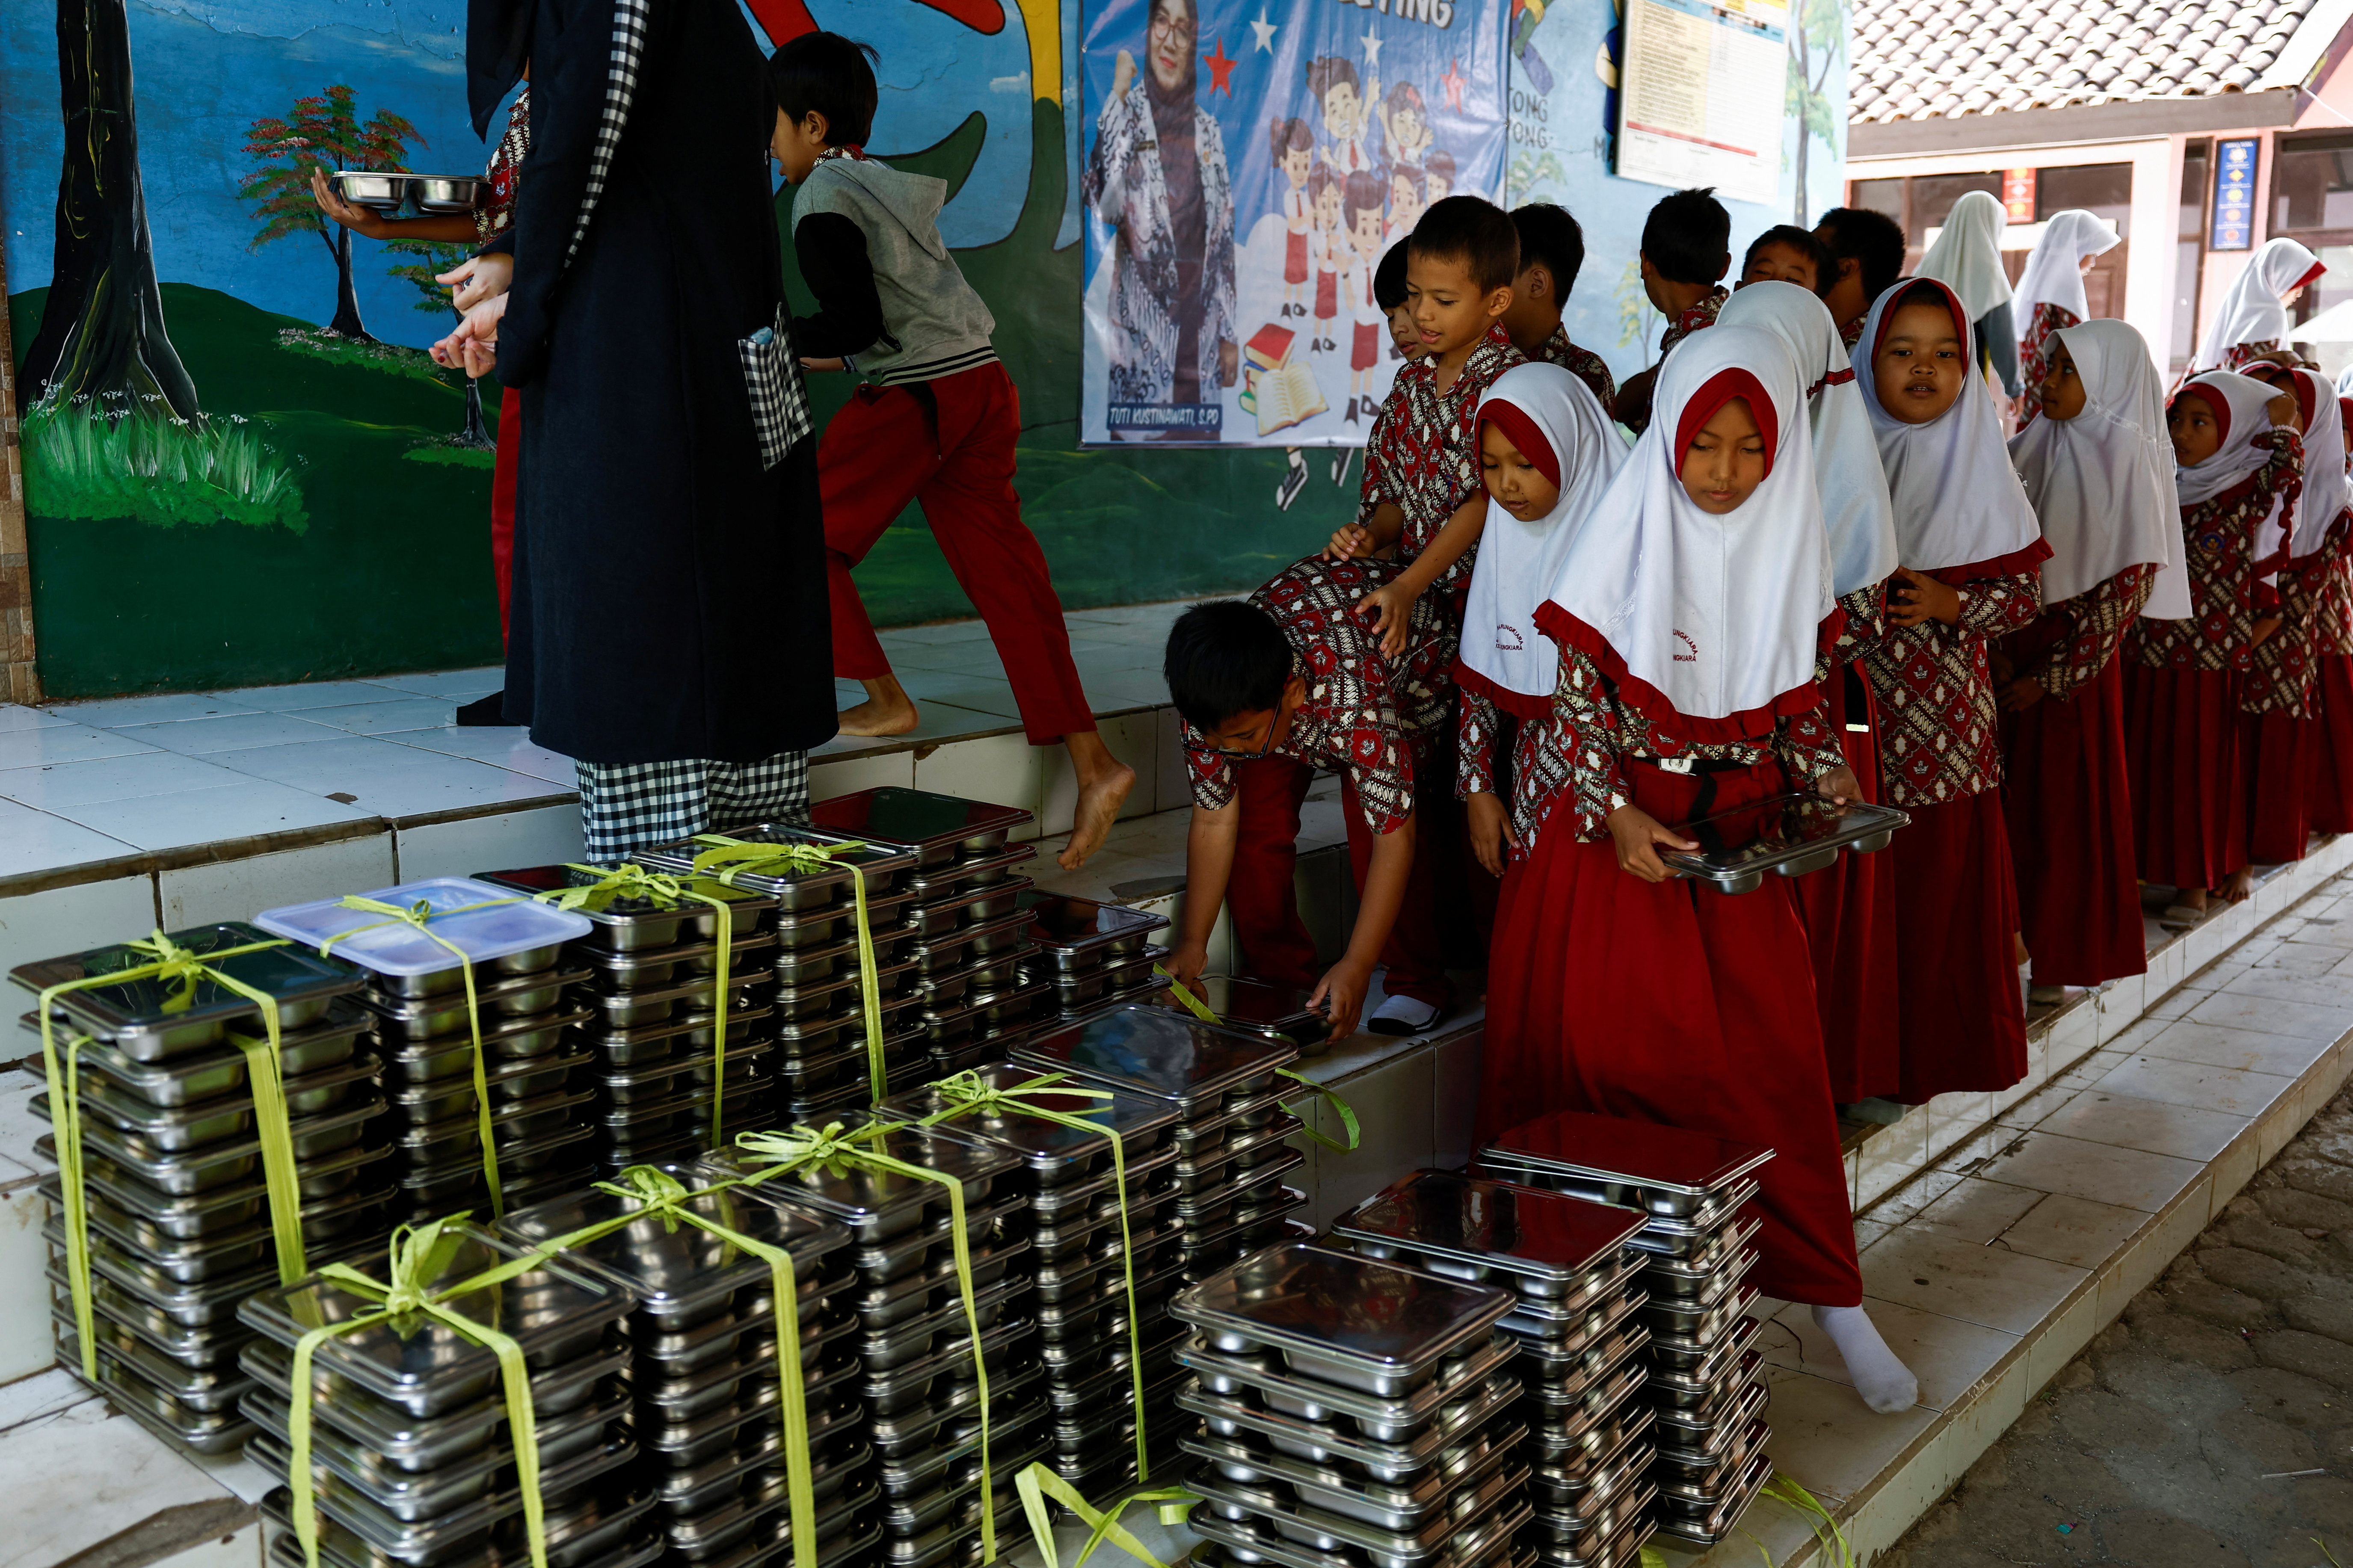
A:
{"x": 940, "y": 323}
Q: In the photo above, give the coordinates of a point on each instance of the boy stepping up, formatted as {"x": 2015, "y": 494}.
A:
{"x": 934, "y": 421}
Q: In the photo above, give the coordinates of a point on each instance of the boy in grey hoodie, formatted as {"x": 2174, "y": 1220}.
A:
{"x": 933, "y": 420}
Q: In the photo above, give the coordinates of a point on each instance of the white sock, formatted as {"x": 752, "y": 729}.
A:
{"x": 1414, "y": 1015}
{"x": 1885, "y": 1383}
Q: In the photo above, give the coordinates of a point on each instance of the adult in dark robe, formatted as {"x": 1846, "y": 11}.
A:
{"x": 670, "y": 626}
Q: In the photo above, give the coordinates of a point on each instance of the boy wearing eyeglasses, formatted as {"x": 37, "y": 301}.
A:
{"x": 1270, "y": 689}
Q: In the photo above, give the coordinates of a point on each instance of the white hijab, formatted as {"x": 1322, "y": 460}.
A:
{"x": 2103, "y": 481}
{"x": 1957, "y": 500}
{"x": 1856, "y": 511}
{"x": 2325, "y": 488}
{"x": 2054, "y": 268}
{"x": 1549, "y": 415}
{"x": 1709, "y": 624}
{"x": 2345, "y": 382}
{"x": 1967, "y": 254}
{"x": 2245, "y": 415}
{"x": 2255, "y": 310}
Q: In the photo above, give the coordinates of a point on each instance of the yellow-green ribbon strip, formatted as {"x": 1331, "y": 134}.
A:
{"x": 418, "y": 1253}
{"x": 967, "y": 1093}
{"x": 1200, "y": 1009}
{"x": 1832, "y": 1540}
{"x": 728, "y": 858}
{"x": 1039, "y": 1482}
{"x": 665, "y": 891}
{"x": 840, "y": 1151}
{"x": 171, "y": 963}
{"x": 419, "y": 915}
{"x": 1193, "y": 1004}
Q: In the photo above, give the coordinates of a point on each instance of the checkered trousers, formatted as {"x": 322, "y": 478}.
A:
{"x": 635, "y": 805}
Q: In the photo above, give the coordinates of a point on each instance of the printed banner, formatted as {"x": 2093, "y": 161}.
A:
{"x": 1245, "y": 165}
{"x": 1704, "y": 96}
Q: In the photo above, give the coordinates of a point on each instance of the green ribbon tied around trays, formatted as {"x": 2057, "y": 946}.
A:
{"x": 419, "y": 1254}
{"x": 966, "y": 1092}
{"x": 182, "y": 968}
{"x": 728, "y": 858}
{"x": 1039, "y": 1482}
{"x": 667, "y": 892}
{"x": 1201, "y": 1010}
{"x": 420, "y": 915}
{"x": 834, "y": 1149}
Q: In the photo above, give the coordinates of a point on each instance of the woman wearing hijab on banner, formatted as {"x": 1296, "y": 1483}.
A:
{"x": 1970, "y": 555}
{"x": 1158, "y": 175}
{"x": 2328, "y": 580}
{"x": 1693, "y": 611}
{"x": 2253, "y": 318}
{"x": 1967, "y": 258}
{"x": 1849, "y": 910}
{"x": 2050, "y": 294}
{"x": 2236, "y": 460}
{"x": 2099, "y": 471}
{"x": 670, "y": 624}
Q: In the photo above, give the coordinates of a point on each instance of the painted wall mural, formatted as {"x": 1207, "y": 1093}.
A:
{"x": 242, "y": 468}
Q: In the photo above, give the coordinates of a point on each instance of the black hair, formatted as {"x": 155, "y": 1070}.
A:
{"x": 827, "y": 74}
{"x": 1687, "y": 238}
{"x": 1225, "y": 657}
{"x": 1805, "y": 242}
{"x": 1871, "y": 239}
{"x": 1550, "y": 236}
{"x": 1388, "y": 278}
{"x": 1476, "y": 233}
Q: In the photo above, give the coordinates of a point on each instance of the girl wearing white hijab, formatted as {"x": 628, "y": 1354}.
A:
{"x": 1540, "y": 429}
{"x": 1969, "y": 554}
{"x": 1692, "y": 608}
{"x": 2098, "y": 468}
{"x": 1849, "y": 910}
{"x": 2253, "y": 317}
{"x": 1967, "y": 257}
{"x": 2324, "y": 566}
{"x": 2050, "y": 294}
{"x": 2182, "y": 735}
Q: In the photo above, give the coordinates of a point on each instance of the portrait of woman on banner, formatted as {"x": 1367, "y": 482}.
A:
{"x": 1158, "y": 178}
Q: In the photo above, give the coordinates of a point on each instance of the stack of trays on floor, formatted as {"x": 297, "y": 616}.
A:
{"x": 1696, "y": 1246}
{"x": 919, "y": 1390}
{"x": 1256, "y": 1007}
{"x": 412, "y": 1462}
{"x": 701, "y": 1376}
{"x": 1360, "y": 1413}
{"x": 1577, "y": 1320}
{"x": 812, "y": 999}
{"x": 417, "y": 1002}
{"x": 1070, "y": 1187}
{"x": 1231, "y": 1128}
{"x": 179, "y": 1219}
{"x": 1091, "y": 956}
{"x": 648, "y": 1046}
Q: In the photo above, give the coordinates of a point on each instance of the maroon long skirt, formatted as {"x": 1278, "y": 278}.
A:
{"x": 2067, "y": 806}
{"x": 1674, "y": 1005}
{"x": 1848, "y": 913}
{"x": 2328, "y": 791}
{"x": 2274, "y": 754}
{"x": 1963, "y": 1019}
{"x": 2182, "y": 756}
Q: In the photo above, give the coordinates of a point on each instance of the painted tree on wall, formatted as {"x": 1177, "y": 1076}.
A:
{"x": 426, "y": 277}
{"x": 323, "y": 132}
{"x": 1817, "y": 47}
{"x": 102, "y": 342}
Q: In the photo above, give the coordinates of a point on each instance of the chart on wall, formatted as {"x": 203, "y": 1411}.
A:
{"x": 1245, "y": 164}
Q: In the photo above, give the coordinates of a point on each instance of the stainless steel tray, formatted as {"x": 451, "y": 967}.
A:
{"x": 940, "y": 829}
{"x": 207, "y": 1074}
{"x": 1384, "y": 1420}
{"x": 1311, "y": 1539}
{"x": 643, "y": 969}
{"x": 796, "y": 890}
{"x": 422, "y": 1018}
{"x": 1666, "y": 1171}
{"x": 1704, "y": 1521}
{"x": 1148, "y": 1051}
{"x": 1789, "y": 835}
{"x": 629, "y": 924}
{"x": 881, "y": 1204}
{"x": 153, "y": 1020}
{"x": 1545, "y": 1245}
{"x": 1080, "y": 933}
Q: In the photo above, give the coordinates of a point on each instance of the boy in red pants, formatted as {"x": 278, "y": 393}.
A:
{"x": 934, "y": 420}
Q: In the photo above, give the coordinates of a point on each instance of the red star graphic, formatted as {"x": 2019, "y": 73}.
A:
{"x": 1221, "y": 69}
{"x": 1453, "y": 82}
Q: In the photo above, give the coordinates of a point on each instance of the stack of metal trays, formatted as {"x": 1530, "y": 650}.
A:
{"x": 815, "y": 987}
{"x": 969, "y": 944}
{"x": 1231, "y": 1134}
{"x": 1577, "y": 1319}
{"x": 1090, "y": 955}
{"x": 1072, "y": 1191}
{"x": 654, "y": 1076}
{"x": 917, "y": 1382}
{"x": 179, "y": 1220}
{"x": 411, "y": 1460}
{"x": 1360, "y": 1413}
{"x": 701, "y": 1378}
{"x": 1696, "y": 1243}
{"x": 1256, "y": 1007}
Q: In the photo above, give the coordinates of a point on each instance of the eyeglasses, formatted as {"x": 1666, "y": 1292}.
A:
{"x": 1183, "y": 32}
{"x": 1234, "y": 753}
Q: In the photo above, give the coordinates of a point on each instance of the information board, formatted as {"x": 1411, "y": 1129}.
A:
{"x": 1704, "y": 95}
{"x": 2232, "y": 224}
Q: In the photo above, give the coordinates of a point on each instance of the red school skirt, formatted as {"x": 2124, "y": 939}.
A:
{"x": 2328, "y": 759}
{"x": 1848, "y": 913}
{"x": 1294, "y": 260}
{"x": 1957, "y": 987}
{"x": 1328, "y": 295}
{"x": 1677, "y": 1005}
{"x": 2066, "y": 804}
{"x": 2275, "y": 755}
{"x": 2181, "y": 761}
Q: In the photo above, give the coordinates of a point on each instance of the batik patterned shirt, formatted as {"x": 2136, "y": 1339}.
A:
{"x": 2221, "y": 534}
{"x": 1938, "y": 736}
{"x": 2034, "y": 353}
{"x": 1581, "y": 363}
{"x": 2080, "y": 636}
{"x": 1700, "y": 315}
{"x": 1423, "y": 456}
{"x": 494, "y": 214}
{"x": 2331, "y": 566}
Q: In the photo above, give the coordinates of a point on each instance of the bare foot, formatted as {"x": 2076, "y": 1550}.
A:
{"x": 2190, "y": 898}
{"x": 2238, "y": 885}
{"x": 887, "y": 710}
{"x": 1104, "y": 784}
